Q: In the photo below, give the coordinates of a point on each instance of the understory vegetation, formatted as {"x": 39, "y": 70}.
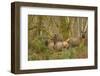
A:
{"x": 42, "y": 31}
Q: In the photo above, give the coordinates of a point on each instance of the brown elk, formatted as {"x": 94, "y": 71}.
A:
{"x": 75, "y": 41}
{"x": 55, "y": 44}
{"x": 59, "y": 45}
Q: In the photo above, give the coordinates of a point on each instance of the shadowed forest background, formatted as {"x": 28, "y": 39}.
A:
{"x": 57, "y": 37}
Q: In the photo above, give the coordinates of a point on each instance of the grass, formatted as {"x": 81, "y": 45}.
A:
{"x": 46, "y": 54}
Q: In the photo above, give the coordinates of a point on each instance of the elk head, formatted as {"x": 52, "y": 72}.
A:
{"x": 84, "y": 34}
{"x": 84, "y": 31}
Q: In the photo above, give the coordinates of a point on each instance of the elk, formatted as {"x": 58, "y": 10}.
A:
{"x": 75, "y": 41}
{"x": 59, "y": 45}
{"x": 55, "y": 44}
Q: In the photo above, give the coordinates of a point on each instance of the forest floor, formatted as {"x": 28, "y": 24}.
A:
{"x": 71, "y": 53}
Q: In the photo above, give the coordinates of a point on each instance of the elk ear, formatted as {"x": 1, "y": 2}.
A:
{"x": 85, "y": 31}
{"x": 68, "y": 40}
{"x": 81, "y": 31}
